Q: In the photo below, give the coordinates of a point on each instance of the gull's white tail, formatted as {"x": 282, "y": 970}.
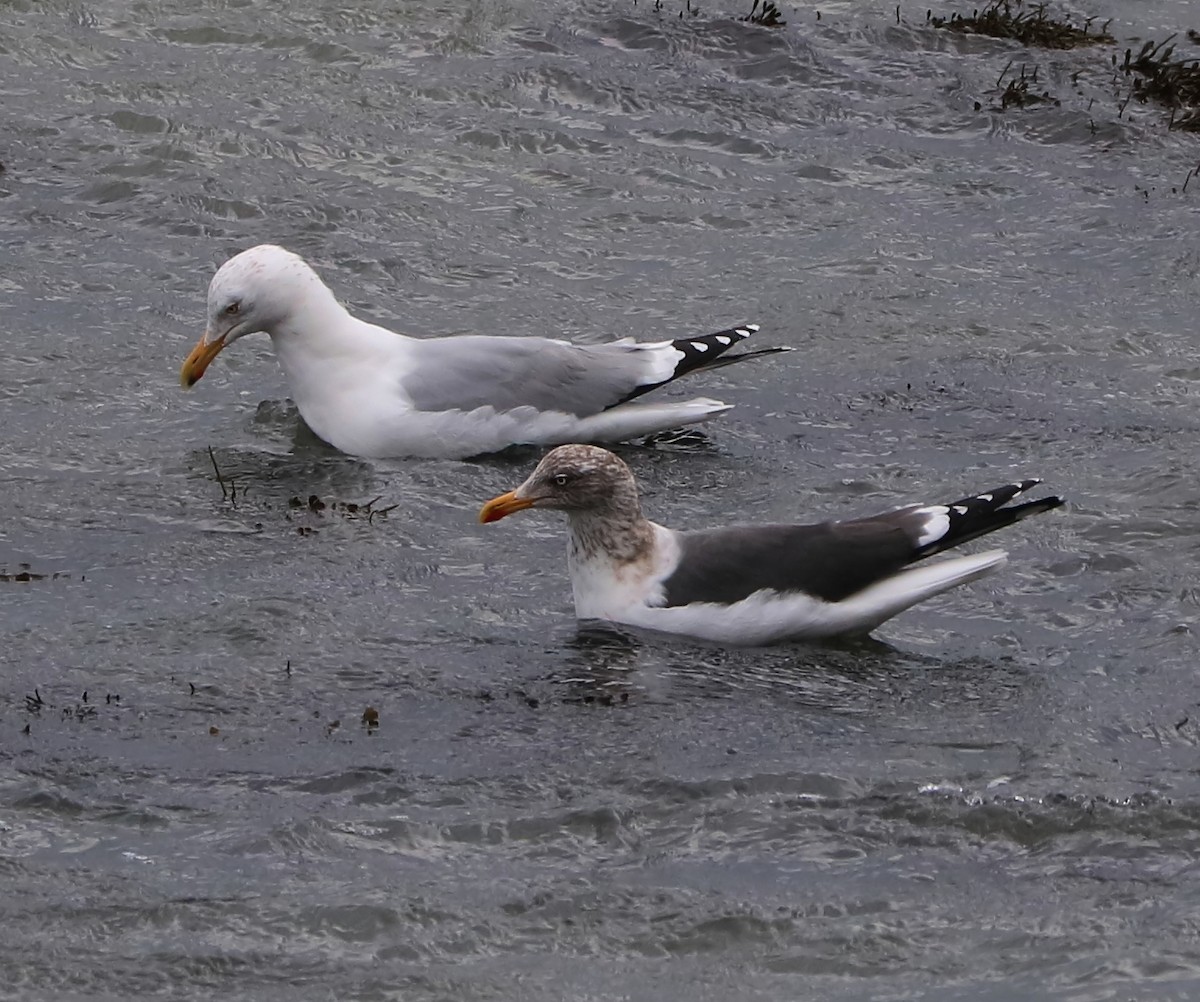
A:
{"x": 893, "y": 595}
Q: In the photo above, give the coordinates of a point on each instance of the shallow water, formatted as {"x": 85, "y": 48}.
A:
{"x": 997, "y": 798}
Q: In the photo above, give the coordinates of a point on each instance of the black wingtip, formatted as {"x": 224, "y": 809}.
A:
{"x": 704, "y": 348}
{"x": 1041, "y": 504}
{"x": 979, "y": 514}
{"x": 708, "y": 351}
{"x": 704, "y": 352}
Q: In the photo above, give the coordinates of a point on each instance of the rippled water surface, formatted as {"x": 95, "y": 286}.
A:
{"x": 996, "y": 799}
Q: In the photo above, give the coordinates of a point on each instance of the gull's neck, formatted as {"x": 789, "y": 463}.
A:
{"x": 334, "y": 362}
{"x": 618, "y": 533}
{"x": 612, "y": 556}
{"x": 318, "y": 335}
{"x": 313, "y": 310}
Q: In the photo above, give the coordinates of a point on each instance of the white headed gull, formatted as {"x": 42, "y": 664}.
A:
{"x": 752, "y": 584}
{"x": 372, "y": 392}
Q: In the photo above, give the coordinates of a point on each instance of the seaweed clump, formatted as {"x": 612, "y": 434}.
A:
{"x": 1174, "y": 84}
{"x": 1028, "y": 25}
{"x": 26, "y": 573}
{"x": 769, "y": 16}
{"x": 658, "y": 6}
{"x": 1017, "y": 93}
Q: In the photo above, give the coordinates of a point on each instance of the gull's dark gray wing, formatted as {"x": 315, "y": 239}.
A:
{"x": 834, "y": 560}
{"x": 829, "y": 561}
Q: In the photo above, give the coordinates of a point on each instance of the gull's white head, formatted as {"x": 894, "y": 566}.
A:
{"x": 256, "y": 290}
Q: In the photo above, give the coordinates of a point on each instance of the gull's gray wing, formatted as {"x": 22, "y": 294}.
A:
{"x": 462, "y": 373}
{"x": 833, "y": 560}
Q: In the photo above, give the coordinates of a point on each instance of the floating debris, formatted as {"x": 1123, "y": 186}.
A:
{"x": 531, "y": 701}
{"x": 1173, "y": 84}
{"x": 599, "y": 699}
{"x": 658, "y": 6}
{"x": 347, "y": 509}
{"x": 25, "y": 572}
{"x": 370, "y": 717}
{"x": 214, "y": 731}
{"x": 1017, "y": 93}
{"x": 769, "y": 16}
{"x": 229, "y": 486}
{"x": 1029, "y": 25}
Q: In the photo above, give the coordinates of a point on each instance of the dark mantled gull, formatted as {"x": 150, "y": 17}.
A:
{"x": 369, "y": 391}
{"x": 753, "y": 584}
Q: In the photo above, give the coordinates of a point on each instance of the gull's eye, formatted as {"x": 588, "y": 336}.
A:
{"x": 561, "y": 480}
{"x": 233, "y": 308}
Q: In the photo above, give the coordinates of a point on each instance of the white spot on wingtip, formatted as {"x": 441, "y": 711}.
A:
{"x": 936, "y": 524}
{"x": 700, "y": 346}
{"x": 983, "y": 497}
{"x": 752, "y": 327}
{"x": 741, "y": 332}
{"x": 723, "y": 338}
{"x": 960, "y": 509}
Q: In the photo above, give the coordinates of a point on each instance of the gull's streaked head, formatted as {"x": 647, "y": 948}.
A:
{"x": 256, "y": 290}
{"x": 571, "y": 478}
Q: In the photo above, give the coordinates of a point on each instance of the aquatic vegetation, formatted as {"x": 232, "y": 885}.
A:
{"x": 658, "y": 6}
{"x": 1175, "y": 84}
{"x": 1030, "y": 25}
{"x": 80, "y": 709}
{"x": 769, "y": 16}
{"x": 314, "y": 505}
{"x": 233, "y": 490}
{"x": 348, "y": 509}
{"x": 1157, "y": 76}
{"x": 229, "y": 486}
{"x": 25, "y": 573}
{"x": 1017, "y": 94}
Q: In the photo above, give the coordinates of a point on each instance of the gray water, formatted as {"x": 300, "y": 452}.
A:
{"x": 995, "y": 799}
